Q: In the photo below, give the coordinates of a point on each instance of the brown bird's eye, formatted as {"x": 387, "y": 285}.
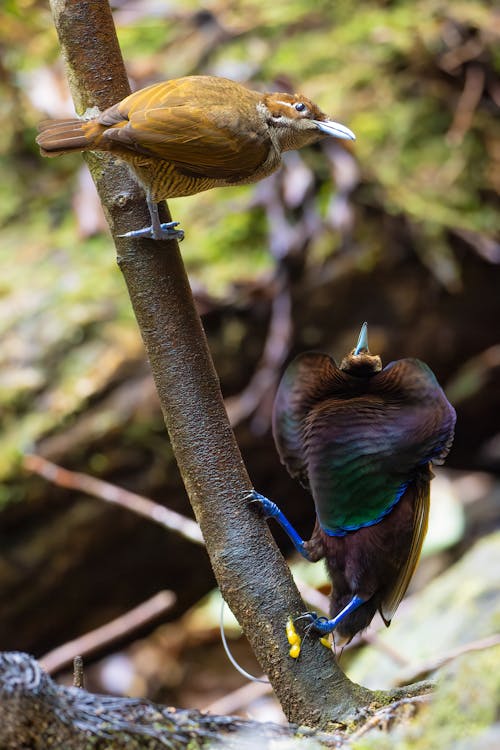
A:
{"x": 300, "y": 107}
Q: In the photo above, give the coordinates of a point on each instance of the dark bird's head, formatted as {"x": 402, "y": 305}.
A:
{"x": 360, "y": 362}
{"x": 296, "y": 121}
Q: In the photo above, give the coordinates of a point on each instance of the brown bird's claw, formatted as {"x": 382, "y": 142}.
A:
{"x": 166, "y": 231}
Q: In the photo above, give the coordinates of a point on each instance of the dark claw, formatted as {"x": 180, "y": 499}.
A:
{"x": 253, "y": 496}
{"x": 269, "y": 508}
{"x": 319, "y": 623}
{"x": 311, "y": 616}
{"x": 170, "y": 232}
{"x": 324, "y": 625}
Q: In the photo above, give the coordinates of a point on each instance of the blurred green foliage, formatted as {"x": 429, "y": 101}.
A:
{"x": 417, "y": 80}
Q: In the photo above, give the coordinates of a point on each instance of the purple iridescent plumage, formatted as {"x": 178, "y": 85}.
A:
{"x": 362, "y": 439}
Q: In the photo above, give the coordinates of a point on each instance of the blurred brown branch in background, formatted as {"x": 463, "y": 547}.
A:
{"x": 138, "y": 504}
{"x": 107, "y": 635}
{"x": 425, "y": 668}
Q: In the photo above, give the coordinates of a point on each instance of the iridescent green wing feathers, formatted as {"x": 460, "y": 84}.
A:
{"x": 359, "y": 442}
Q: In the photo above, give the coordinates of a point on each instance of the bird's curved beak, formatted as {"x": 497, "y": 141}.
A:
{"x": 335, "y": 129}
{"x": 362, "y": 345}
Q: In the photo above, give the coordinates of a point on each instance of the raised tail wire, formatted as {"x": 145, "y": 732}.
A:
{"x": 229, "y": 655}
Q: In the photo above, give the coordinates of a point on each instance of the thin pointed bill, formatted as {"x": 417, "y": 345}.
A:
{"x": 335, "y": 129}
{"x": 362, "y": 345}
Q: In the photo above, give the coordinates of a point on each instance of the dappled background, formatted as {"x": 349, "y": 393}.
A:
{"x": 397, "y": 229}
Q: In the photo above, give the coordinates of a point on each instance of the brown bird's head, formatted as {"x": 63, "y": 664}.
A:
{"x": 360, "y": 362}
{"x": 296, "y": 121}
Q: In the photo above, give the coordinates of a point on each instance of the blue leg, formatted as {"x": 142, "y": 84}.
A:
{"x": 271, "y": 510}
{"x": 323, "y": 625}
{"x": 157, "y": 231}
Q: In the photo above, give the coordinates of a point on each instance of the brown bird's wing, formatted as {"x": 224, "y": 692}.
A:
{"x": 392, "y": 600}
{"x": 188, "y": 122}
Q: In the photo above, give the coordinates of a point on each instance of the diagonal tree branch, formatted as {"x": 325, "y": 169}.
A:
{"x": 36, "y": 713}
{"x": 251, "y": 573}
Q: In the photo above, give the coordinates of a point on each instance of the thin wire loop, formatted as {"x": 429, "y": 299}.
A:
{"x": 229, "y": 655}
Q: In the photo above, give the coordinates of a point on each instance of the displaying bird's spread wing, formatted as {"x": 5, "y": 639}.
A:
{"x": 190, "y": 126}
{"x": 359, "y": 444}
{"x": 309, "y": 379}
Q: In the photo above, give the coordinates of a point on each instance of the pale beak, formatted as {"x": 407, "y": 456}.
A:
{"x": 362, "y": 345}
{"x": 335, "y": 129}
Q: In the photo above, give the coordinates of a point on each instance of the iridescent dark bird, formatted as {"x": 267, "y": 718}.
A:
{"x": 190, "y": 134}
{"x": 362, "y": 440}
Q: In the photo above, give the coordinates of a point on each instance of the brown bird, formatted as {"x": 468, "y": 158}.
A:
{"x": 191, "y": 134}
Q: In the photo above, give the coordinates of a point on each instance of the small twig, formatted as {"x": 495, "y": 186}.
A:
{"x": 78, "y": 679}
{"x": 486, "y": 247}
{"x": 467, "y": 104}
{"x": 108, "y": 634}
{"x": 73, "y": 480}
{"x": 383, "y": 716}
{"x": 422, "y": 670}
{"x": 460, "y": 55}
{"x": 266, "y": 376}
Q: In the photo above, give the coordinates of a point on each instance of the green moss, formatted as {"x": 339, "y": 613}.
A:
{"x": 463, "y": 708}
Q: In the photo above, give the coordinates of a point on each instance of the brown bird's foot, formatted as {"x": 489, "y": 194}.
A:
{"x": 164, "y": 231}
{"x": 157, "y": 230}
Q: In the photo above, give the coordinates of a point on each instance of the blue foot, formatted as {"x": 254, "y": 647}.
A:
{"x": 323, "y": 625}
{"x": 271, "y": 510}
{"x": 166, "y": 231}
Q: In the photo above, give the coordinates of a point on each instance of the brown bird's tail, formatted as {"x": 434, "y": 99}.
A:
{"x": 61, "y": 136}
